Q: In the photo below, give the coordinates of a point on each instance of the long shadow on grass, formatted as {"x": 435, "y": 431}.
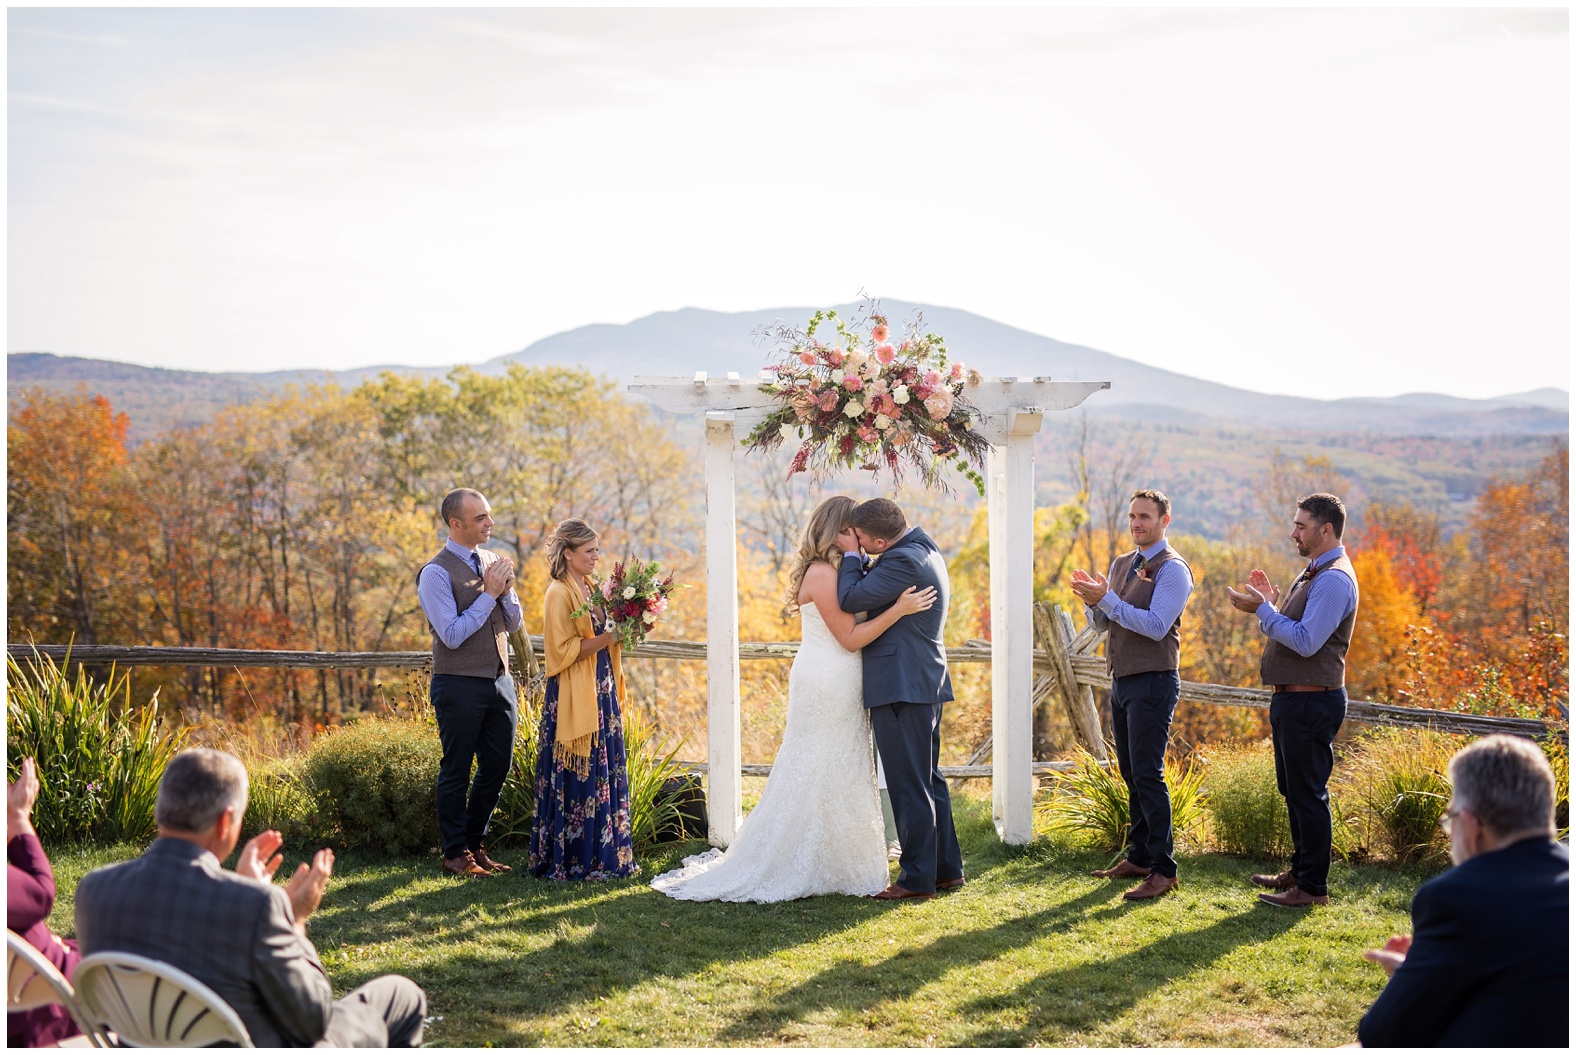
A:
{"x": 1086, "y": 995}
{"x": 851, "y": 986}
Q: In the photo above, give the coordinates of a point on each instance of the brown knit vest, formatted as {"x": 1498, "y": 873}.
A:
{"x": 1282, "y": 666}
{"x": 1129, "y": 653}
{"x": 485, "y": 654}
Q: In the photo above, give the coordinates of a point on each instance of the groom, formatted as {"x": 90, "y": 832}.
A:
{"x": 906, "y": 683}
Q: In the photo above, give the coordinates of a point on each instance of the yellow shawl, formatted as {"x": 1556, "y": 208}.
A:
{"x": 577, "y": 710}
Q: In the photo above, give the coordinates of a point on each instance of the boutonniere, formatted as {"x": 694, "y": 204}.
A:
{"x": 1146, "y": 575}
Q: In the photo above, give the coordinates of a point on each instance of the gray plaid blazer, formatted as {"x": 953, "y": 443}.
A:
{"x": 235, "y": 935}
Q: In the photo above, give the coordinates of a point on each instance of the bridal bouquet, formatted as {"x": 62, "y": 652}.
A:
{"x": 634, "y": 596}
{"x": 869, "y": 399}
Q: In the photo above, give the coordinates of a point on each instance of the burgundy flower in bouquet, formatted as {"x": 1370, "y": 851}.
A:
{"x": 633, "y": 596}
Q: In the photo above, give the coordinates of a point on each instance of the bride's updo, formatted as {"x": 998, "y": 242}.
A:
{"x": 569, "y": 534}
{"x": 819, "y": 542}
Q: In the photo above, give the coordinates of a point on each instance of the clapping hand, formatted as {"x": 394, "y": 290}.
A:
{"x": 259, "y": 857}
{"x": 1261, "y": 582}
{"x": 20, "y": 796}
{"x": 1089, "y": 588}
{"x": 1392, "y": 955}
{"x": 307, "y": 885}
{"x": 498, "y": 576}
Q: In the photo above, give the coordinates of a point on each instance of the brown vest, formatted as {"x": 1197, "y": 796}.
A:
{"x": 1129, "y": 653}
{"x": 485, "y": 654}
{"x": 1282, "y": 666}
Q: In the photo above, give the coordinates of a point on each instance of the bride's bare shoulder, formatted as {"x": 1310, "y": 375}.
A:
{"x": 820, "y": 571}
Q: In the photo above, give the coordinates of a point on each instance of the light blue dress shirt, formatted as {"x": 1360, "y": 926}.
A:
{"x": 435, "y": 590}
{"x": 1173, "y": 586}
{"x": 1331, "y": 599}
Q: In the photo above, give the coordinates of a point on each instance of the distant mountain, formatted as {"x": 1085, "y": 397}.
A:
{"x": 678, "y": 343}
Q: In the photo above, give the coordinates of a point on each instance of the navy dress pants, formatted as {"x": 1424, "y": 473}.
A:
{"x": 1304, "y": 725}
{"x": 1141, "y": 709}
{"x": 475, "y": 723}
{"x": 908, "y": 737}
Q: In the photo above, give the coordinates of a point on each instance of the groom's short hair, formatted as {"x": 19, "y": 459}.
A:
{"x": 880, "y": 518}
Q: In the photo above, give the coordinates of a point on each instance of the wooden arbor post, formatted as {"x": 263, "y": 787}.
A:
{"x": 1013, "y": 410}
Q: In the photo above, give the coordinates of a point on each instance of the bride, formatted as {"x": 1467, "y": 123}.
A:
{"x": 817, "y": 828}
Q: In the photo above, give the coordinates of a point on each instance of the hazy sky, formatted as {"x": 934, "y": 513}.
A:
{"x": 1327, "y": 203}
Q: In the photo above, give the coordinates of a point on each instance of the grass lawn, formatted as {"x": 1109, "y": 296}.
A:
{"x": 1031, "y": 951}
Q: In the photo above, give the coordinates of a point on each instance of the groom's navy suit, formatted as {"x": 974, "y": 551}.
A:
{"x": 906, "y": 682}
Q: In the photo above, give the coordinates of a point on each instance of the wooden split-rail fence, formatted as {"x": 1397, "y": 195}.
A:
{"x": 1066, "y": 668}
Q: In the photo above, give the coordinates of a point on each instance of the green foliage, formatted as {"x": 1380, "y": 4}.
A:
{"x": 1246, "y": 811}
{"x": 511, "y": 822}
{"x": 373, "y": 781}
{"x": 278, "y": 798}
{"x": 1393, "y": 790}
{"x": 1559, "y": 756}
{"x": 1088, "y": 804}
{"x": 99, "y": 757}
{"x": 649, "y": 769}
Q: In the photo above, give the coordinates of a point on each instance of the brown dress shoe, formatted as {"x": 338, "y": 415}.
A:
{"x": 902, "y": 893}
{"x": 1121, "y": 871}
{"x": 480, "y": 854}
{"x": 1296, "y": 897}
{"x": 949, "y": 884}
{"x": 464, "y": 865}
{"x": 1153, "y": 886}
{"x": 1284, "y": 881}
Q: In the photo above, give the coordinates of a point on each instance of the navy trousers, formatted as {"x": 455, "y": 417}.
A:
{"x": 1141, "y": 709}
{"x": 1304, "y": 725}
{"x": 908, "y": 736}
{"x": 475, "y": 723}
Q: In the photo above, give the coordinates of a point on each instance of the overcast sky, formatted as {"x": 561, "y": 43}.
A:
{"x": 1326, "y": 203}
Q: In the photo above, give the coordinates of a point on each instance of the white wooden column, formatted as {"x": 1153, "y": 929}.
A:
{"x": 724, "y": 755}
{"x": 1011, "y": 493}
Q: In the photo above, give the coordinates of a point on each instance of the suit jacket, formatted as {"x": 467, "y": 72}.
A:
{"x": 29, "y": 898}
{"x": 235, "y": 935}
{"x": 1490, "y": 957}
{"x": 908, "y": 663}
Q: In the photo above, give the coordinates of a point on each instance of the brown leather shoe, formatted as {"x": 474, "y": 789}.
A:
{"x": 1121, "y": 871}
{"x": 901, "y": 893}
{"x": 1284, "y": 881}
{"x": 464, "y": 865}
{"x": 495, "y": 867}
{"x": 1153, "y": 886}
{"x": 949, "y": 884}
{"x": 1296, "y": 897}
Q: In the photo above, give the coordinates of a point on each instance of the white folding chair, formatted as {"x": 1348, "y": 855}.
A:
{"x": 153, "y": 1005}
{"x": 32, "y": 981}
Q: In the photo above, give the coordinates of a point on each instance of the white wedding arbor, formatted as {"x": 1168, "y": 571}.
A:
{"x": 1013, "y": 410}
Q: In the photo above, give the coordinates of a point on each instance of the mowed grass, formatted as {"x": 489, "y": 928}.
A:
{"x": 1031, "y": 951}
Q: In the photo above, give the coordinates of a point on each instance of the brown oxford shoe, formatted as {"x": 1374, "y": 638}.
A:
{"x": 1296, "y": 897}
{"x": 1153, "y": 886}
{"x": 1121, "y": 871}
{"x": 487, "y": 863}
{"x": 1284, "y": 881}
{"x": 465, "y": 866}
{"x": 949, "y": 884}
{"x": 902, "y": 893}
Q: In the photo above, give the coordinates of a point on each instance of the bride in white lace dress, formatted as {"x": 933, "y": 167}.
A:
{"x": 817, "y": 828}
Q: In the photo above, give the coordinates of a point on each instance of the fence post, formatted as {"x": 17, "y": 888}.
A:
{"x": 1053, "y": 633}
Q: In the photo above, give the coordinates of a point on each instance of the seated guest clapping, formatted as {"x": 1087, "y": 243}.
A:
{"x": 1488, "y": 961}
{"x": 29, "y": 898}
{"x": 237, "y": 932}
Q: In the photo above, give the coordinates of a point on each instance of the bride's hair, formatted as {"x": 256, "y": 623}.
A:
{"x": 818, "y": 543}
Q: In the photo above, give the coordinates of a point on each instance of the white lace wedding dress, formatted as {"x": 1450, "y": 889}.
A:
{"x": 817, "y": 828}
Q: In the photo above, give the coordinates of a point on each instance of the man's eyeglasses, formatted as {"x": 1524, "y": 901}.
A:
{"x": 1448, "y": 818}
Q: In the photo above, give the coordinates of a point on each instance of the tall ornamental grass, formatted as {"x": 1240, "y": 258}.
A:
{"x": 99, "y": 755}
{"x": 1392, "y": 789}
{"x": 650, "y": 768}
{"x": 1247, "y": 815}
{"x": 1088, "y": 804}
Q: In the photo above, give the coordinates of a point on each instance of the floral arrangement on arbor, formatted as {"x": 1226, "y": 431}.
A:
{"x": 633, "y": 596}
{"x": 872, "y": 401}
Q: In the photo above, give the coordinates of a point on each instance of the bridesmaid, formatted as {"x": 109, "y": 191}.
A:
{"x": 581, "y": 827}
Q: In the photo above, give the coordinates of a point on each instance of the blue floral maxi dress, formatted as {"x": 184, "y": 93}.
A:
{"x": 581, "y": 829}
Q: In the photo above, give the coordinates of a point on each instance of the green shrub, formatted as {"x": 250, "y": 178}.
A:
{"x": 1088, "y": 804}
{"x": 99, "y": 757}
{"x": 1247, "y": 815}
{"x": 373, "y": 780}
{"x": 1393, "y": 788}
{"x": 279, "y": 798}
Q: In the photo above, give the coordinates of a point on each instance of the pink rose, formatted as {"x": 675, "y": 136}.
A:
{"x": 939, "y": 405}
{"x": 957, "y": 371}
{"x": 852, "y": 383}
{"x": 836, "y": 357}
{"x": 878, "y": 332}
{"x": 868, "y": 434}
{"x": 932, "y": 378}
{"x": 885, "y": 353}
{"x": 807, "y": 357}
{"x": 607, "y": 590}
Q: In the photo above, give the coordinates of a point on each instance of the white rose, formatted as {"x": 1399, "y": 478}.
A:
{"x": 649, "y": 618}
{"x": 883, "y": 422}
{"x": 629, "y": 591}
{"x": 837, "y": 377}
{"x": 900, "y": 394}
{"x": 854, "y": 409}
